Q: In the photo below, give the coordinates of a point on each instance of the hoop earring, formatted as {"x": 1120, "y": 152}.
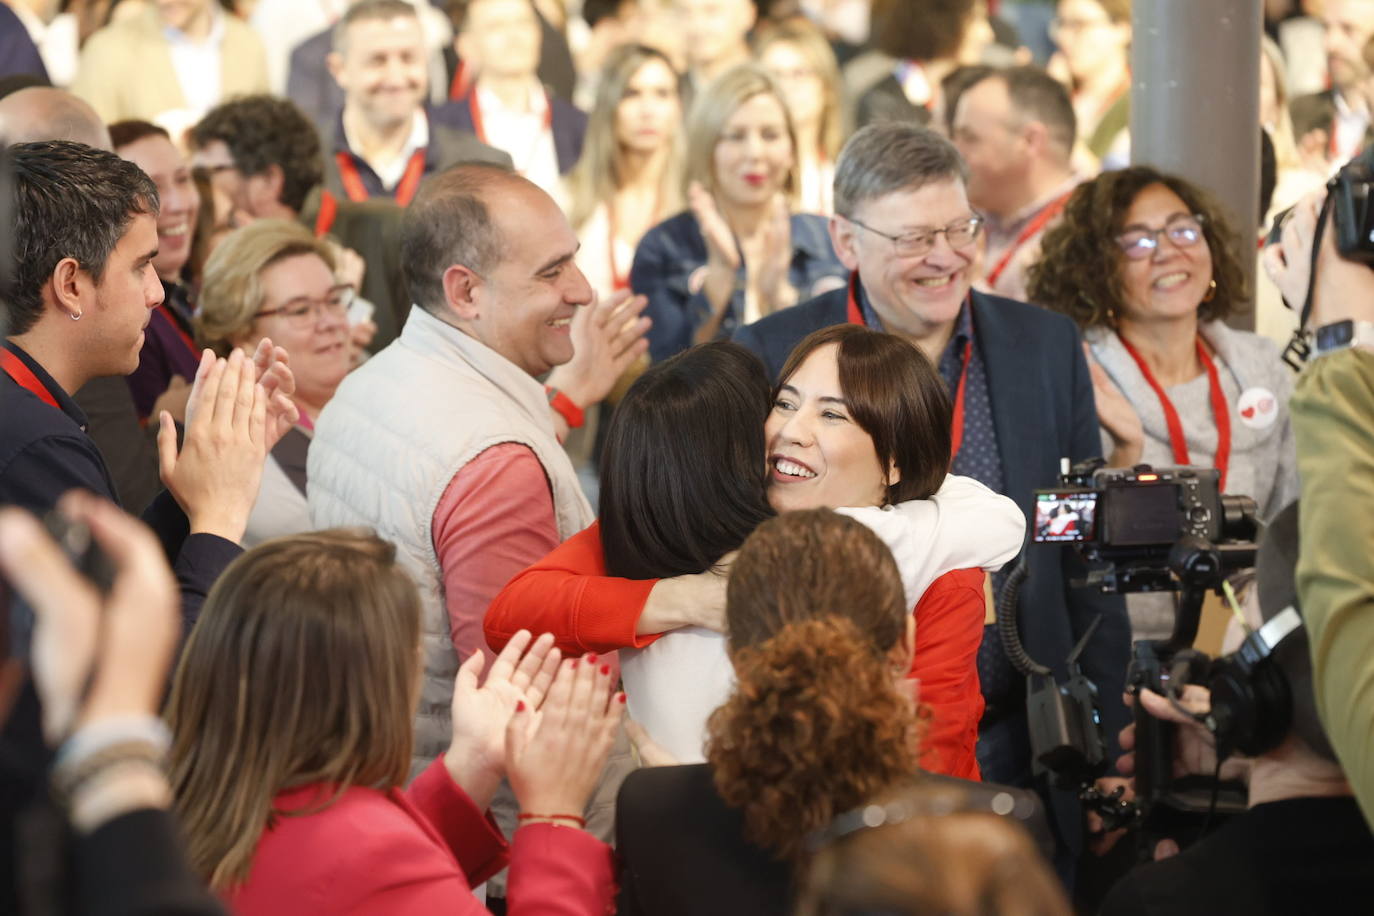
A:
{"x": 76, "y": 317}
{"x": 1211, "y": 291}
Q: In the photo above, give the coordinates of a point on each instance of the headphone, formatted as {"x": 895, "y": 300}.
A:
{"x": 1252, "y": 698}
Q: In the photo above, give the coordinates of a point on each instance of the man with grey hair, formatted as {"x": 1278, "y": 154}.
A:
{"x": 445, "y": 442}
{"x": 1022, "y": 401}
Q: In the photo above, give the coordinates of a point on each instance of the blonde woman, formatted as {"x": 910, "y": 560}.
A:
{"x": 272, "y": 278}
{"x": 629, "y": 176}
{"x": 797, "y": 55}
{"x": 738, "y": 252}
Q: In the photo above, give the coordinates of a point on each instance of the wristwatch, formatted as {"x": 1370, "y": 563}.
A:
{"x": 1342, "y": 335}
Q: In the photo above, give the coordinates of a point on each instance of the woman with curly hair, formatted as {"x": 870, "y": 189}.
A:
{"x": 821, "y": 720}
{"x": 1147, "y": 264}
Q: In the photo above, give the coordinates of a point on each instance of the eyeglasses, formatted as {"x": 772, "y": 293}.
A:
{"x": 1184, "y": 230}
{"x": 303, "y": 311}
{"x": 914, "y": 244}
{"x": 1060, "y": 26}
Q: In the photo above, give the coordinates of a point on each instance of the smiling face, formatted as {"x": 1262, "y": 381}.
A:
{"x": 319, "y": 347}
{"x": 650, "y": 111}
{"x": 123, "y": 299}
{"x": 176, "y": 222}
{"x": 525, "y": 304}
{"x": 753, "y": 156}
{"x": 1170, "y": 283}
{"x": 818, "y": 455}
{"x": 992, "y": 144}
{"x": 1349, "y": 26}
{"x": 912, "y": 295}
{"x": 382, "y": 69}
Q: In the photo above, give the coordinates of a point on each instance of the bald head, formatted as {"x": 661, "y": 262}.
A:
{"x": 43, "y": 113}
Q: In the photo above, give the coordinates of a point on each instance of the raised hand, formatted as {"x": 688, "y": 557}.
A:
{"x": 1117, "y": 416}
{"x": 216, "y": 474}
{"x": 555, "y": 755}
{"x": 608, "y": 336}
{"x": 271, "y": 365}
{"x": 477, "y": 750}
{"x": 775, "y": 288}
{"x": 723, "y": 257}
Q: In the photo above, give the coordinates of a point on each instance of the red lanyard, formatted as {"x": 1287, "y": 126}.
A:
{"x": 1177, "y": 441}
{"x": 14, "y": 367}
{"x": 329, "y": 211}
{"x": 405, "y": 188}
{"x": 462, "y": 82}
{"x": 161, "y": 312}
{"x": 1049, "y": 212}
{"x": 475, "y": 109}
{"x": 956, "y": 438}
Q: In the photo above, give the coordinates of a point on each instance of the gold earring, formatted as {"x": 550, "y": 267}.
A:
{"x": 1211, "y": 292}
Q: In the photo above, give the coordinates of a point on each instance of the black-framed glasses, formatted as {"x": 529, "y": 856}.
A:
{"x": 1184, "y": 230}
{"x": 304, "y": 311}
{"x": 914, "y": 244}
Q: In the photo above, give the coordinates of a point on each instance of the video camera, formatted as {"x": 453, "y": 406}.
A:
{"x": 1138, "y": 529}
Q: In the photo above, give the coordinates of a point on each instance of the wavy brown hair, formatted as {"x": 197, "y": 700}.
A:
{"x": 303, "y": 668}
{"x": 1079, "y": 271}
{"x": 815, "y": 724}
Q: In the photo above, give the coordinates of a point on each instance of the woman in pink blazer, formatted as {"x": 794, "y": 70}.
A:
{"x": 291, "y": 714}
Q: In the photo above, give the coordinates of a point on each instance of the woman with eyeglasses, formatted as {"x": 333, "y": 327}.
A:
{"x": 272, "y": 278}
{"x": 1148, "y": 266}
{"x": 738, "y": 252}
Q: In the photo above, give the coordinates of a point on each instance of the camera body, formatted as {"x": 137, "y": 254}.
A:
{"x": 1133, "y": 519}
{"x": 1353, "y": 218}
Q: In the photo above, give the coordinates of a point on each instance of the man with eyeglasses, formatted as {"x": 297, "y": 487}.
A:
{"x": 1022, "y": 401}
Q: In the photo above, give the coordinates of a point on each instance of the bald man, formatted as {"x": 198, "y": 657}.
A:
{"x": 43, "y": 113}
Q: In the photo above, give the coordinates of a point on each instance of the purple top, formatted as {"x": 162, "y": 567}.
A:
{"x": 167, "y": 351}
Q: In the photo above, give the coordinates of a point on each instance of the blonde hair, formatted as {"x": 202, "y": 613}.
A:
{"x": 597, "y": 175}
{"x": 303, "y": 668}
{"x": 232, "y": 290}
{"x": 714, "y": 106}
{"x": 810, "y": 41}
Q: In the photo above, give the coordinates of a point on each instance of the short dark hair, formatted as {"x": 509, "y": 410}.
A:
{"x": 1079, "y": 271}
{"x": 920, "y": 29}
{"x": 683, "y": 465}
{"x": 70, "y": 201}
{"x": 261, "y": 131}
{"x": 955, "y": 83}
{"x": 896, "y": 396}
{"x": 891, "y": 156}
{"x": 370, "y": 11}
{"x": 123, "y": 133}
{"x": 1037, "y": 96}
{"x": 449, "y": 223}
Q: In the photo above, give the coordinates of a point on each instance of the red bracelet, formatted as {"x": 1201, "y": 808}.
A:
{"x": 576, "y": 819}
{"x": 565, "y": 407}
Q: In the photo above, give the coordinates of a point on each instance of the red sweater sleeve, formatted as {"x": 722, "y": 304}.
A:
{"x": 949, "y": 629}
{"x": 569, "y": 595}
{"x": 559, "y": 871}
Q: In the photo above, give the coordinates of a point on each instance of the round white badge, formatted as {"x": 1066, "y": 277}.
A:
{"x": 1258, "y": 408}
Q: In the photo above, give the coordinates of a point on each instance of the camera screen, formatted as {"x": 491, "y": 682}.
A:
{"x": 1142, "y": 515}
{"x": 1064, "y": 516}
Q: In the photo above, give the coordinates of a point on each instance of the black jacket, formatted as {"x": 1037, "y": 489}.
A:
{"x": 1043, "y": 410}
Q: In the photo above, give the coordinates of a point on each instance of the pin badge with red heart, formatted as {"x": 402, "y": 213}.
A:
{"x": 1258, "y": 408}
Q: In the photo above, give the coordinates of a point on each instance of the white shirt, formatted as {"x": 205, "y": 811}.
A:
{"x": 391, "y": 170}
{"x": 1349, "y": 129}
{"x": 527, "y": 136}
{"x": 56, "y": 42}
{"x": 674, "y": 684}
{"x": 197, "y": 64}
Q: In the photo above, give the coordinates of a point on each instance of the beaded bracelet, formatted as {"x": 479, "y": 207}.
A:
{"x": 68, "y": 779}
{"x": 576, "y": 819}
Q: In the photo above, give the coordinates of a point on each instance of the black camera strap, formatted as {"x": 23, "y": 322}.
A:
{"x": 1317, "y": 235}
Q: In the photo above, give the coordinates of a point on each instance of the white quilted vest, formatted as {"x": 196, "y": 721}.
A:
{"x": 390, "y": 441}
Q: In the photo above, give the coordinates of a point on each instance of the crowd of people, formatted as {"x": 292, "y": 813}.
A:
{"x": 566, "y": 455}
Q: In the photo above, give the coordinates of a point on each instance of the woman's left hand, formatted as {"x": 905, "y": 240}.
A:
{"x": 477, "y": 751}
{"x": 1116, "y": 415}
{"x": 775, "y": 289}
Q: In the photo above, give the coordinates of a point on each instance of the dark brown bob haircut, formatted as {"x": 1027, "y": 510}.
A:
{"x": 896, "y": 396}
{"x": 1079, "y": 271}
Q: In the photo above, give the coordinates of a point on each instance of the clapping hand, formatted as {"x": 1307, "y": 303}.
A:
{"x": 476, "y": 757}
{"x": 272, "y": 369}
{"x": 608, "y": 336}
{"x": 775, "y": 288}
{"x": 1116, "y": 415}
{"x": 723, "y": 257}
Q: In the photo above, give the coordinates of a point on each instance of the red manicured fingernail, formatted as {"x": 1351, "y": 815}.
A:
{"x": 605, "y": 669}
{"x": 572, "y": 664}
{"x": 591, "y": 658}
{"x": 520, "y": 706}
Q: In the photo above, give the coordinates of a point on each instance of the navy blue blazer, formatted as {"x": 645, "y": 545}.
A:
{"x": 569, "y": 127}
{"x": 1042, "y": 410}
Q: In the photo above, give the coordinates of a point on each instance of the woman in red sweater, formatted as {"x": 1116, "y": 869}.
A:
{"x": 861, "y": 419}
{"x": 291, "y": 718}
